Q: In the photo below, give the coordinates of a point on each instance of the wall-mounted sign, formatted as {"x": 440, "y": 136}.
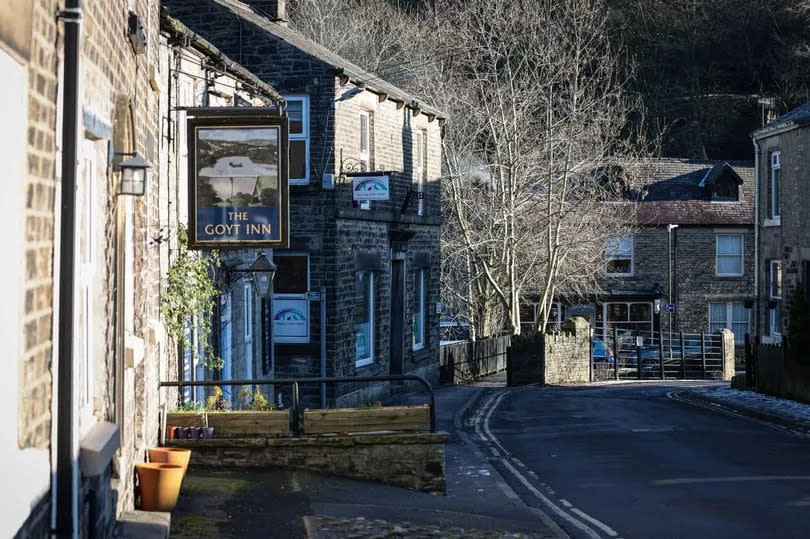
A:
{"x": 291, "y": 320}
{"x": 238, "y": 193}
{"x": 370, "y": 187}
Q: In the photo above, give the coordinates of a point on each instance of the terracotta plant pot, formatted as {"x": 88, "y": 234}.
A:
{"x": 170, "y": 455}
{"x": 159, "y": 485}
{"x": 171, "y": 433}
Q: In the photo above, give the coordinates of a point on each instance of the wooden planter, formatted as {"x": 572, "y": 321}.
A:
{"x": 185, "y": 419}
{"x": 345, "y": 420}
{"x": 271, "y": 423}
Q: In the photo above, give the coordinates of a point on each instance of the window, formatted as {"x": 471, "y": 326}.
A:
{"x": 248, "y": 304}
{"x": 85, "y": 297}
{"x": 775, "y": 296}
{"x": 528, "y": 313}
{"x": 419, "y": 144}
{"x": 418, "y": 317}
{"x": 298, "y": 114}
{"x": 774, "y": 193}
{"x": 365, "y": 150}
{"x": 364, "y": 319}
{"x": 290, "y": 304}
{"x": 726, "y": 191}
{"x": 733, "y": 316}
{"x": 619, "y": 254}
{"x": 729, "y": 254}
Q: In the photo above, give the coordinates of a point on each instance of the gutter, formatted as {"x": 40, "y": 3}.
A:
{"x": 65, "y": 509}
{"x": 756, "y": 238}
{"x": 179, "y": 30}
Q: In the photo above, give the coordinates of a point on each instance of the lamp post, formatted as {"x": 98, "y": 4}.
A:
{"x": 264, "y": 271}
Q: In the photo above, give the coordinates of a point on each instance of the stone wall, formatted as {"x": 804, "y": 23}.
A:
{"x": 414, "y": 461}
{"x": 788, "y": 238}
{"x": 567, "y": 355}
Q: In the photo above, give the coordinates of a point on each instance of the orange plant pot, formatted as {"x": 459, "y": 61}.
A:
{"x": 170, "y": 455}
{"x": 159, "y": 485}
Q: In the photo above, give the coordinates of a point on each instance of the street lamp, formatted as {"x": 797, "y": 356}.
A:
{"x": 263, "y": 271}
{"x": 133, "y": 174}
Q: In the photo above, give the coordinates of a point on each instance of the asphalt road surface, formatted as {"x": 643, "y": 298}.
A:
{"x": 633, "y": 461}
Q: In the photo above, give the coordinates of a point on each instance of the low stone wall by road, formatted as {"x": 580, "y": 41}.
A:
{"x": 414, "y": 461}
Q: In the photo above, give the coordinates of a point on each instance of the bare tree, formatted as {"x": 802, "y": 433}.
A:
{"x": 536, "y": 146}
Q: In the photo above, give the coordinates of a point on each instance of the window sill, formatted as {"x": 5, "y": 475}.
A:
{"x": 618, "y": 275}
{"x": 772, "y": 221}
{"x": 363, "y": 362}
{"x": 417, "y": 347}
{"x": 729, "y": 275}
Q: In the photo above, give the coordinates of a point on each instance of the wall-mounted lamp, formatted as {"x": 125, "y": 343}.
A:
{"x": 133, "y": 174}
{"x": 657, "y": 306}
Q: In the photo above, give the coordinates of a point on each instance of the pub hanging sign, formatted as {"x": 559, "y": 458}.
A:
{"x": 238, "y": 185}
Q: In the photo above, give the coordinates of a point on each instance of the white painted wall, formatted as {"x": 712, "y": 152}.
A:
{"x": 27, "y": 473}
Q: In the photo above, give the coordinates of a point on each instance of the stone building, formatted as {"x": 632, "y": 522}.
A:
{"x": 378, "y": 262}
{"x": 104, "y": 416}
{"x": 783, "y": 221}
{"x": 695, "y": 229}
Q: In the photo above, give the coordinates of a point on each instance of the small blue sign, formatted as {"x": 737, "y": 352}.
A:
{"x": 669, "y": 307}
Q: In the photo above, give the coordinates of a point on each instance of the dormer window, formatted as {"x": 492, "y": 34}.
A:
{"x": 725, "y": 191}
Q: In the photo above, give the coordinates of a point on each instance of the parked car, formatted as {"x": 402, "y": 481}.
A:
{"x": 602, "y": 353}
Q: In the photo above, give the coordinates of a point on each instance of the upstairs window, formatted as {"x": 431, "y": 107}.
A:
{"x": 619, "y": 254}
{"x": 419, "y": 148}
{"x": 774, "y": 185}
{"x": 298, "y": 115}
{"x": 729, "y": 255}
{"x": 365, "y": 150}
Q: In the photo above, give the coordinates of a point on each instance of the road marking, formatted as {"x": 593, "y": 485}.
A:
{"x": 551, "y": 505}
{"x": 599, "y": 524}
{"x": 565, "y": 502}
{"x": 731, "y": 479}
{"x": 579, "y": 524}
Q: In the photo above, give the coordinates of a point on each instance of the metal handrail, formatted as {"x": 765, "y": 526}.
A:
{"x": 315, "y": 380}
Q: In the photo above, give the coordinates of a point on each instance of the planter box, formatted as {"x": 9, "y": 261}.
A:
{"x": 185, "y": 419}
{"x": 345, "y": 420}
{"x": 249, "y": 423}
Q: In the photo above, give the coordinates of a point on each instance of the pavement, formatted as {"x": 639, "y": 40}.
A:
{"x": 284, "y": 503}
{"x": 638, "y": 460}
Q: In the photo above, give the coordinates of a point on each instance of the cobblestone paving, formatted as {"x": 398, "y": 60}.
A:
{"x": 361, "y": 528}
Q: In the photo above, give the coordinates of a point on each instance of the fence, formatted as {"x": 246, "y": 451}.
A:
{"x": 464, "y": 362}
{"x": 639, "y": 355}
{"x": 780, "y": 372}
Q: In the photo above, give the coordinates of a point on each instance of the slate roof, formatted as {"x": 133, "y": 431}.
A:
{"x": 799, "y": 116}
{"x": 673, "y": 194}
{"x": 355, "y": 73}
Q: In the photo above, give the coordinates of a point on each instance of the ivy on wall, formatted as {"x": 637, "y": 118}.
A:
{"x": 189, "y": 299}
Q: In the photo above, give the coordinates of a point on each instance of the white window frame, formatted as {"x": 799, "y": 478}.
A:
{"x": 632, "y": 257}
{"x": 304, "y": 99}
{"x": 248, "y": 311}
{"x": 717, "y": 255}
{"x": 419, "y": 310}
{"x": 729, "y": 318}
{"x": 776, "y": 164}
{"x": 420, "y": 142}
{"x": 86, "y": 286}
{"x": 299, "y": 296}
{"x": 775, "y": 314}
{"x": 365, "y": 154}
{"x": 368, "y": 360}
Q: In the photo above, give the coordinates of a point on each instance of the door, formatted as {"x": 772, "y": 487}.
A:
{"x": 397, "y": 316}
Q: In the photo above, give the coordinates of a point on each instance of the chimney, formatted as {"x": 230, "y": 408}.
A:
{"x": 275, "y": 10}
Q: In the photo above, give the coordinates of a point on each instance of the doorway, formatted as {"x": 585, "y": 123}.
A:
{"x": 397, "y": 314}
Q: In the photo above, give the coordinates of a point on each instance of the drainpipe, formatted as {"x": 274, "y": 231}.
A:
{"x": 66, "y": 510}
{"x": 756, "y": 239}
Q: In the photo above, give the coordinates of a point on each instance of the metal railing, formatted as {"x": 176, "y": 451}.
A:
{"x": 660, "y": 355}
{"x": 295, "y": 408}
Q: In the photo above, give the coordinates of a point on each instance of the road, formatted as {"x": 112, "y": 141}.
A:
{"x": 631, "y": 461}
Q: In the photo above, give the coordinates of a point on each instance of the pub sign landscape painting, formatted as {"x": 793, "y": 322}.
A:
{"x": 238, "y": 193}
